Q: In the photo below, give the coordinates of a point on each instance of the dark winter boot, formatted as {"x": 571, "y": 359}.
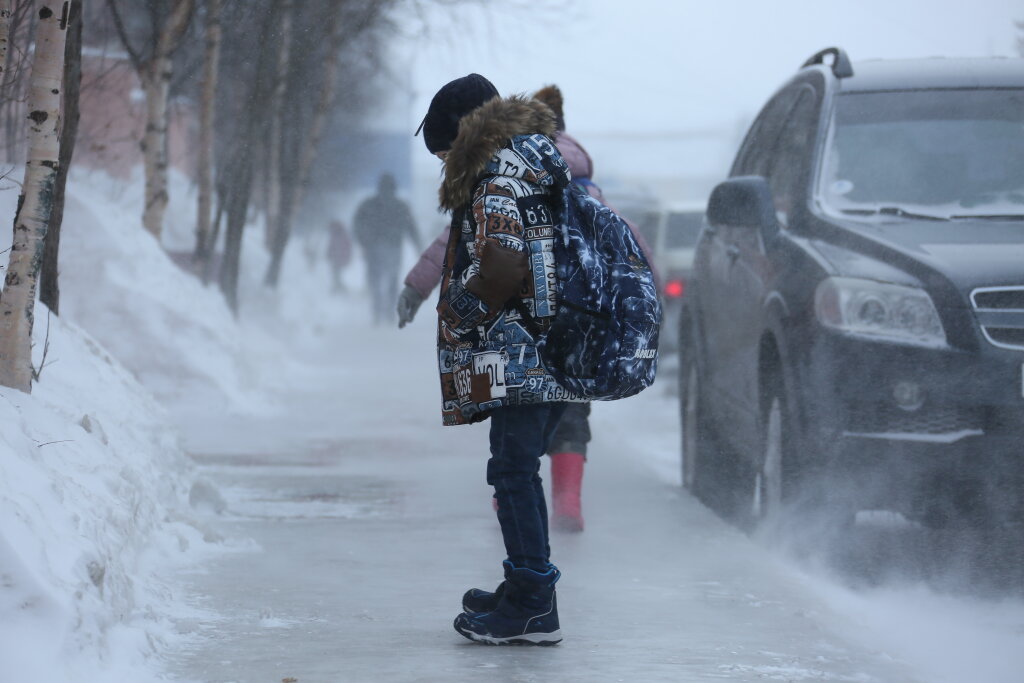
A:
{"x": 479, "y": 600}
{"x": 566, "y": 481}
{"x": 526, "y": 614}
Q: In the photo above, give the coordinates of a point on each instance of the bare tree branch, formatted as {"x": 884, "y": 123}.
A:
{"x": 133, "y": 54}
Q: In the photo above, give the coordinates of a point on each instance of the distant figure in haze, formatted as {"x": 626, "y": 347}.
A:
{"x": 382, "y": 223}
{"x": 339, "y": 254}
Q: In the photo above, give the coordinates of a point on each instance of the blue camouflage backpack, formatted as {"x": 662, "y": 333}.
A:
{"x": 603, "y": 341}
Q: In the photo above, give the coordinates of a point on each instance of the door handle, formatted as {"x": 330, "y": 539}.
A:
{"x": 733, "y": 252}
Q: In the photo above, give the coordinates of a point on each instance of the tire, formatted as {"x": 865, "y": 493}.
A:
{"x": 689, "y": 393}
{"x": 771, "y": 483}
{"x": 703, "y": 461}
{"x": 785, "y": 491}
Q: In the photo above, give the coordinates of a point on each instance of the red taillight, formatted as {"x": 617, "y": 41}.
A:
{"x": 675, "y": 288}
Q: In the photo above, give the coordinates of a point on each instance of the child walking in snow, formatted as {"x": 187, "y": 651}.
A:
{"x": 503, "y": 177}
{"x": 568, "y": 448}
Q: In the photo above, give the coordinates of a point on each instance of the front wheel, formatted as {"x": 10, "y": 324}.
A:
{"x": 704, "y": 463}
{"x": 787, "y": 481}
{"x": 768, "y": 481}
{"x": 691, "y": 427}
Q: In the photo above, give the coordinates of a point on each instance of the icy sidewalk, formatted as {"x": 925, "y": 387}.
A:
{"x": 371, "y": 520}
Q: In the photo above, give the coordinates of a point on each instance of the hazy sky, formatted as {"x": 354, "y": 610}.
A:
{"x": 654, "y": 65}
{"x": 661, "y": 91}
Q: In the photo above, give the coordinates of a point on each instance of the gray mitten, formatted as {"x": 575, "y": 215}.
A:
{"x": 408, "y": 303}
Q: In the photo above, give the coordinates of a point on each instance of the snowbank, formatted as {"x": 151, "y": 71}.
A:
{"x": 93, "y": 483}
{"x": 176, "y": 335}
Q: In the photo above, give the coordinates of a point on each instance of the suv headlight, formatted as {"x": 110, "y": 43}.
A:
{"x": 879, "y": 309}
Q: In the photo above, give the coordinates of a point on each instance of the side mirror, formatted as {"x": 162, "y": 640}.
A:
{"x": 744, "y": 201}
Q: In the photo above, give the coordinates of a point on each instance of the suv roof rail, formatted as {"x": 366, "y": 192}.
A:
{"x": 841, "y": 67}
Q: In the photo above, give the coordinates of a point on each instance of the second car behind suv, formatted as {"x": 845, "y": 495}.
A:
{"x": 854, "y": 332}
{"x": 676, "y": 231}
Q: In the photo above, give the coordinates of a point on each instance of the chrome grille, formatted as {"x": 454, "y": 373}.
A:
{"x": 1007, "y": 336}
{"x": 1000, "y": 313}
{"x": 999, "y": 298}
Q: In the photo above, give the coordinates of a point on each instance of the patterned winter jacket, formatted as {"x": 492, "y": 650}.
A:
{"x": 503, "y": 178}
{"x": 426, "y": 273}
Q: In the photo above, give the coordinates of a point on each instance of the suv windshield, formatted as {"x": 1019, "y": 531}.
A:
{"x": 941, "y": 153}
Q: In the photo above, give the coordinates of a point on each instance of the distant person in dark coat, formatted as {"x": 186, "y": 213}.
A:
{"x": 382, "y": 223}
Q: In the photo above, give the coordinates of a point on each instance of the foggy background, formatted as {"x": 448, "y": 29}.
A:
{"x": 661, "y": 92}
{"x": 251, "y": 483}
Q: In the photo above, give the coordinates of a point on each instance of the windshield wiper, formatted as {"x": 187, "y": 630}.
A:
{"x": 894, "y": 211}
{"x": 989, "y": 217}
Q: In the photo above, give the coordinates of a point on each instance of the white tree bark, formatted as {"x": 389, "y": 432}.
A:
{"x": 206, "y": 122}
{"x": 156, "y": 83}
{"x": 5, "y": 32}
{"x": 273, "y": 217}
{"x": 35, "y": 204}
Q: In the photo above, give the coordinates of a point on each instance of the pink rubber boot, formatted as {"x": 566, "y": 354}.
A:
{"x": 566, "y": 479}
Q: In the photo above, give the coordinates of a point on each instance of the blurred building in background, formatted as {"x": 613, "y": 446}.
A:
{"x": 113, "y": 117}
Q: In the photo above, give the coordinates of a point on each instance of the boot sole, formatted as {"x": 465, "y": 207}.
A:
{"x": 542, "y": 639}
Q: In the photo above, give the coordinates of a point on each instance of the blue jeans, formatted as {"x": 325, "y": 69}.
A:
{"x": 520, "y": 435}
{"x": 573, "y": 431}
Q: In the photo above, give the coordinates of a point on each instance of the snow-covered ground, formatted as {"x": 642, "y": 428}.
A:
{"x": 371, "y": 520}
{"x": 289, "y": 507}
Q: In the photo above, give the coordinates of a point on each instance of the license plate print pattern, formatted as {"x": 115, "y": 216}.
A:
{"x": 493, "y": 366}
{"x": 539, "y": 233}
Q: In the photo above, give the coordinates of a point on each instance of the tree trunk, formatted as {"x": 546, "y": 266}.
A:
{"x": 204, "y": 246}
{"x": 49, "y": 287}
{"x": 16, "y": 62}
{"x": 274, "y": 156}
{"x": 236, "y": 176}
{"x": 36, "y": 201}
{"x": 5, "y": 32}
{"x": 237, "y": 209}
{"x": 206, "y": 271}
{"x": 310, "y": 142}
{"x": 156, "y": 83}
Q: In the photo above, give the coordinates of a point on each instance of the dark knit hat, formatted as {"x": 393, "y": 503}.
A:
{"x": 453, "y": 101}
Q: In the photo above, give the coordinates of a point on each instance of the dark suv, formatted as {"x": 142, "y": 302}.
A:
{"x": 854, "y": 333}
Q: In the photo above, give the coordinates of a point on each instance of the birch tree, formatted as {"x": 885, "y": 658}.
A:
{"x": 20, "y": 35}
{"x": 207, "y": 109}
{"x": 155, "y": 72}
{"x": 5, "y": 32}
{"x": 49, "y": 285}
{"x": 36, "y": 201}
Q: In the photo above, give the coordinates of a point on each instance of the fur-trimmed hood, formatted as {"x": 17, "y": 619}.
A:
{"x": 482, "y": 134}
